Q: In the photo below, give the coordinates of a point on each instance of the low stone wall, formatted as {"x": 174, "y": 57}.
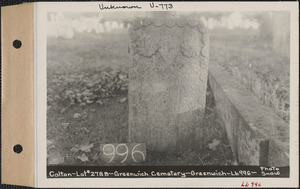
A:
{"x": 256, "y": 134}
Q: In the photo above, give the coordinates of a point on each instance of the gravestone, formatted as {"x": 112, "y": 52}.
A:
{"x": 167, "y": 83}
{"x": 281, "y": 32}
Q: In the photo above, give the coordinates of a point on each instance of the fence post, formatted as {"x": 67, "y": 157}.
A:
{"x": 167, "y": 83}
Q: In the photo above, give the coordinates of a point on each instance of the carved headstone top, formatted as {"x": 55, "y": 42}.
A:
{"x": 148, "y": 43}
{"x": 169, "y": 22}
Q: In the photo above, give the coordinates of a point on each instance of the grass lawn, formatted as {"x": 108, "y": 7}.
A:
{"x": 252, "y": 62}
{"x": 96, "y": 125}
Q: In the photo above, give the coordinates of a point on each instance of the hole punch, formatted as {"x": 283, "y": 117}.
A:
{"x": 17, "y": 44}
{"x": 18, "y": 148}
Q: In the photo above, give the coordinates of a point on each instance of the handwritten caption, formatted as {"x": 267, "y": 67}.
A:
{"x": 124, "y": 153}
{"x": 161, "y": 6}
{"x": 89, "y": 173}
{"x": 158, "y": 171}
{"x": 250, "y": 184}
{"x": 192, "y": 173}
{"x": 269, "y": 171}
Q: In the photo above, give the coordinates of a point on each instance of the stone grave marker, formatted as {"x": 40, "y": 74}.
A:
{"x": 167, "y": 83}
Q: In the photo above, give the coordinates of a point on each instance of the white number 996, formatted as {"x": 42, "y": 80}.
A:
{"x": 121, "y": 150}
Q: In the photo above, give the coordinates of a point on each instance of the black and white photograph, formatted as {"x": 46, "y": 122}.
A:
{"x": 150, "y": 94}
{"x": 173, "y": 88}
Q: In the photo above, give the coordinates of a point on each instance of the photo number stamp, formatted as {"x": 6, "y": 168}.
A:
{"x": 123, "y": 153}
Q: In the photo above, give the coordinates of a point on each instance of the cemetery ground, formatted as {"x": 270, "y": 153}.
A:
{"x": 251, "y": 60}
{"x": 87, "y": 80}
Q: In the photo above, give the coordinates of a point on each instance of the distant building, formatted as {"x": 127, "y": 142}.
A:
{"x": 63, "y": 26}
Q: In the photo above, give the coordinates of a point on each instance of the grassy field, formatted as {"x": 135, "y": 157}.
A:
{"x": 87, "y": 97}
{"x": 252, "y": 61}
{"x": 87, "y": 52}
{"x": 87, "y": 80}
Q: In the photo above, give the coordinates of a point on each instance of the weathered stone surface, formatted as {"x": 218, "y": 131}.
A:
{"x": 256, "y": 134}
{"x": 167, "y": 83}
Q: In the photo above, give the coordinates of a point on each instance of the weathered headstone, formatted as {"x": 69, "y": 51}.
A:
{"x": 281, "y": 32}
{"x": 167, "y": 83}
{"x": 265, "y": 28}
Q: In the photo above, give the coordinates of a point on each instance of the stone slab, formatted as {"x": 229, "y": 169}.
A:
{"x": 256, "y": 134}
{"x": 167, "y": 83}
